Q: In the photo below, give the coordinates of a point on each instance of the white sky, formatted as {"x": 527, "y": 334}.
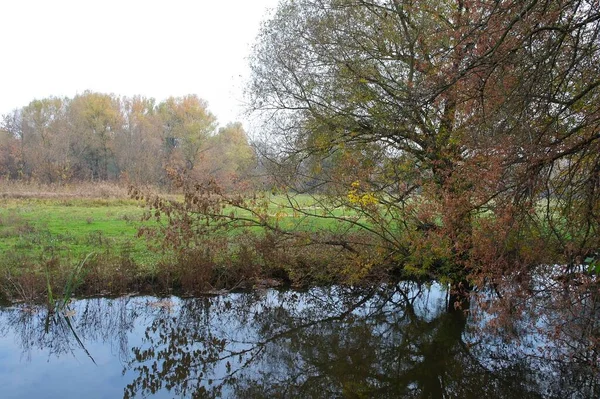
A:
{"x": 127, "y": 47}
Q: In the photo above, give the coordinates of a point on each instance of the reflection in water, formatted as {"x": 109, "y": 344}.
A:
{"x": 394, "y": 341}
{"x": 61, "y": 334}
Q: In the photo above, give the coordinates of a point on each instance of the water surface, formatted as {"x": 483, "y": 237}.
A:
{"x": 403, "y": 340}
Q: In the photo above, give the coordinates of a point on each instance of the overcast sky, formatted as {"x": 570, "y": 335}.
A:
{"x": 126, "y": 47}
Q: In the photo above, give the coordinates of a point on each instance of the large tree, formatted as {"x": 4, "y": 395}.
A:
{"x": 230, "y": 158}
{"x": 40, "y": 129}
{"x": 139, "y": 147}
{"x": 187, "y": 125}
{"x": 9, "y": 155}
{"x": 428, "y": 114}
{"x": 95, "y": 120}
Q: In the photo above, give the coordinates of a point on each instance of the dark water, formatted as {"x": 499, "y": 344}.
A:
{"x": 386, "y": 342}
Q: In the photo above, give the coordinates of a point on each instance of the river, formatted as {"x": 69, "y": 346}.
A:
{"x": 389, "y": 341}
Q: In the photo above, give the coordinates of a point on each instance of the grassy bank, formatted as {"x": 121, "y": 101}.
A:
{"x": 152, "y": 245}
{"x": 70, "y": 228}
{"x": 46, "y": 232}
{"x": 44, "y": 236}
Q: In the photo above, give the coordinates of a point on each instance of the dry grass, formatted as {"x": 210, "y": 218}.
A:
{"x": 23, "y": 189}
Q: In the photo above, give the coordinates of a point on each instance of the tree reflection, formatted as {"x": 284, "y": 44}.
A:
{"x": 66, "y": 333}
{"x": 395, "y": 349}
{"x": 400, "y": 340}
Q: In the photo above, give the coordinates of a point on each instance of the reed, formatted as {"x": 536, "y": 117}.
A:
{"x": 73, "y": 281}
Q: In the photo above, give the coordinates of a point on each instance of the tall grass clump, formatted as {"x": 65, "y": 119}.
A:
{"x": 74, "y": 280}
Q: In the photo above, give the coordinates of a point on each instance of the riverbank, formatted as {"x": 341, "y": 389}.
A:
{"x": 97, "y": 240}
{"x": 110, "y": 240}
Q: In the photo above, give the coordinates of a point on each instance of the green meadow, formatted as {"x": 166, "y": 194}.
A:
{"x": 71, "y": 228}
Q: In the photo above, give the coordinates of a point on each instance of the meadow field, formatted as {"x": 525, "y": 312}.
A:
{"x": 46, "y": 232}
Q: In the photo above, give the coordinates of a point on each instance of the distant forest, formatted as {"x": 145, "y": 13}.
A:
{"x": 104, "y": 137}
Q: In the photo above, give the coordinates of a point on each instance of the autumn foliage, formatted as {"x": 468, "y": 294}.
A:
{"x": 465, "y": 133}
{"x": 453, "y": 140}
{"x": 101, "y": 137}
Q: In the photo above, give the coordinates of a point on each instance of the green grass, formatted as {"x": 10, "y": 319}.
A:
{"x": 45, "y": 245}
{"x": 303, "y": 212}
{"x": 71, "y": 229}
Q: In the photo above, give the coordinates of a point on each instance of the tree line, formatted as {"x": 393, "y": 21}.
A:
{"x": 104, "y": 137}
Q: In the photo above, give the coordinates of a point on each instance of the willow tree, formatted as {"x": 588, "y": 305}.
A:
{"x": 444, "y": 124}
